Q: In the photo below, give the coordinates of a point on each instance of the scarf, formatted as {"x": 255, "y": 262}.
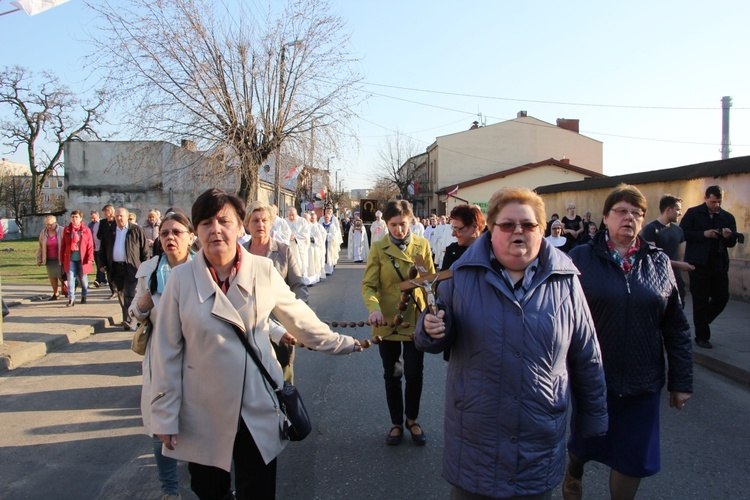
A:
{"x": 75, "y": 238}
{"x": 159, "y": 277}
{"x": 626, "y": 262}
{"x": 224, "y": 285}
{"x": 401, "y": 244}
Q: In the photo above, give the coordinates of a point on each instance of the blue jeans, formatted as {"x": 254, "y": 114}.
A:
{"x": 167, "y": 469}
{"x": 76, "y": 269}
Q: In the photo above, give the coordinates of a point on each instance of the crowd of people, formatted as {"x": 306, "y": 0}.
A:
{"x": 587, "y": 320}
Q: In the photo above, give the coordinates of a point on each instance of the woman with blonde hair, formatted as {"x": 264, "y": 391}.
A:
{"x": 151, "y": 228}
{"x": 522, "y": 343}
{"x": 259, "y": 223}
{"x": 48, "y": 254}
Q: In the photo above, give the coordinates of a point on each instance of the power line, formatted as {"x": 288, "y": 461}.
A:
{"x": 535, "y": 101}
{"x": 548, "y": 125}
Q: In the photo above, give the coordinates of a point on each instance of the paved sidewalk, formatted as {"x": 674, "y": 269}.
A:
{"x": 36, "y": 326}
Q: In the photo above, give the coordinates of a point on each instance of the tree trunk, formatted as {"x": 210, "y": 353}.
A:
{"x": 36, "y": 193}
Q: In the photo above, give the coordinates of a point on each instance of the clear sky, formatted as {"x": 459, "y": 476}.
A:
{"x": 646, "y": 78}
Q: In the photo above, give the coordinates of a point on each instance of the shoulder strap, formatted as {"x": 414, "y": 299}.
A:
{"x": 393, "y": 261}
{"x": 254, "y": 356}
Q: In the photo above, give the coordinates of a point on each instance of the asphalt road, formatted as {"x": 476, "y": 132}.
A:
{"x": 71, "y": 427}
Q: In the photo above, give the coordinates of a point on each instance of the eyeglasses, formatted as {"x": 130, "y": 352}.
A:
{"x": 622, "y": 212}
{"x": 176, "y": 232}
{"x": 509, "y": 227}
{"x": 458, "y": 229}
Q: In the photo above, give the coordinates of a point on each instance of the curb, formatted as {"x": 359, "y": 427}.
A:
{"x": 731, "y": 372}
{"x": 23, "y": 352}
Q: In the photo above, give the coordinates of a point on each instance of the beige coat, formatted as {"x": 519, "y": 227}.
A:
{"x": 143, "y": 275}
{"x": 202, "y": 377}
{"x": 41, "y": 251}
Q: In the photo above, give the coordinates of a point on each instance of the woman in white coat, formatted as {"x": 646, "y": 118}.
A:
{"x": 210, "y": 405}
{"x": 175, "y": 236}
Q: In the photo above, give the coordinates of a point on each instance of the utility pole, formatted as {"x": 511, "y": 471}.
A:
{"x": 277, "y": 173}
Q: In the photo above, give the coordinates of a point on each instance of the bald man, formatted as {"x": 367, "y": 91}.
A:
{"x": 126, "y": 247}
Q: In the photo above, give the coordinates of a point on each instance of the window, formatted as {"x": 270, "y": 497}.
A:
{"x": 46, "y": 183}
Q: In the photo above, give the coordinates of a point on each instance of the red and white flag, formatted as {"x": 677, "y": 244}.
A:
{"x": 451, "y": 193}
{"x": 293, "y": 173}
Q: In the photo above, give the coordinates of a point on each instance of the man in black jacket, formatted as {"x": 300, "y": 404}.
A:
{"x": 709, "y": 231}
{"x": 106, "y": 230}
{"x": 125, "y": 248}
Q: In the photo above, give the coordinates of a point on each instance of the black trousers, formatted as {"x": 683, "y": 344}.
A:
{"x": 710, "y": 291}
{"x": 253, "y": 477}
{"x": 125, "y": 286}
{"x": 393, "y": 368}
{"x": 101, "y": 261}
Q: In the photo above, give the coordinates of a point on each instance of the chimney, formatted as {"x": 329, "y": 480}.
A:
{"x": 521, "y": 114}
{"x": 726, "y": 103}
{"x": 565, "y": 161}
{"x": 568, "y": 124}
{"x": 188, "y": 144}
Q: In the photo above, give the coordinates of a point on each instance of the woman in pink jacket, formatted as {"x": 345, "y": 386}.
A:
{"x": 77, "y": 256}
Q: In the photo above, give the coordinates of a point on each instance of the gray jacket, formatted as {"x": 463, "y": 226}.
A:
{"x": 513, "y": 366}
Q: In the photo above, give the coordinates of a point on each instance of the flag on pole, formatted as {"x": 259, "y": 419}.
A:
{"x": 293, "y": 173}
{"x": 34, "y": 7}
{"x": 451, "y": 193}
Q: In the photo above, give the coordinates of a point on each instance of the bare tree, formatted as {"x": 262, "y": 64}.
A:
{"x": 384, "y": 191}
{"x": 15, "y": 196}
{"x": 394, "y": 166}
{"x": 45, "y": 112}
{"x": 232, "y": 80}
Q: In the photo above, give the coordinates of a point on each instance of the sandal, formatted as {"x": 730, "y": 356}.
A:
{"x": 419, "y": 439}
{"x": 394, "y": 439}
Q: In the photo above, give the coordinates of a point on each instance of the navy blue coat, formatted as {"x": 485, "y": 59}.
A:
{"x": 636, "y": 321}
{"x": 512, "y": 367}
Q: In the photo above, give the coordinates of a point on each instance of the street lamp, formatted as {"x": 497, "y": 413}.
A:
{"x": 277, "y": 174}
{"x": 328, "y": 180}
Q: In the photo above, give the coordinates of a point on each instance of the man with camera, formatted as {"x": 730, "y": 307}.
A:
{"x": 709, "y": 231}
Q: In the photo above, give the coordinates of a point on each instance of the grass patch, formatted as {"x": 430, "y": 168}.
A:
{"x": 18, "y": 263}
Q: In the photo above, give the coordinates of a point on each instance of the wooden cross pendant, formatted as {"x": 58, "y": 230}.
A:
{"x": 418, "y": 278}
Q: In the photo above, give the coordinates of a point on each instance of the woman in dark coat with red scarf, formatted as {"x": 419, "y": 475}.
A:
{"x": 77, "y": 256}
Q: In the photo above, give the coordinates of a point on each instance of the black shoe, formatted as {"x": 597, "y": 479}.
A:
{"x": 83, "y": 300}
{"x": 419, "y": 439}
{"x": 71, "y": 303}
{"x": 54, "y": 297}
{"x": 704, "y": 343}
{"x": 394, "y": 439}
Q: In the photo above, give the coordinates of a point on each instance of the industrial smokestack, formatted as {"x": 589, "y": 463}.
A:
{"x": 726, "y": 103}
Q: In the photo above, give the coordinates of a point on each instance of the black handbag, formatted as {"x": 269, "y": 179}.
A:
{"x": 297, "y": 425}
